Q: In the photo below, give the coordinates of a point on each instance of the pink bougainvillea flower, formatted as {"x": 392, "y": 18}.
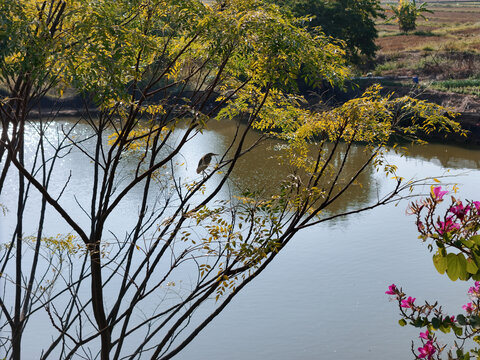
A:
{"x": 468, "y": 308}
{"x": 438, "y": 193}
{"x": 451, "y": 319}
{"x": 407, "y": 303}
{"x": 449, "y": 225}
{"x": 391, "y": 290}
{"x": 424, "y": 335}
{"x": 427, "y": 350}
{"x": 475, "y": 290}
{"x": 459, "y": 210}
{"x": 477, "y": 205}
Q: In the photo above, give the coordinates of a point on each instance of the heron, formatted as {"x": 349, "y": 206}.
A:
{"x": 204, "y": 162}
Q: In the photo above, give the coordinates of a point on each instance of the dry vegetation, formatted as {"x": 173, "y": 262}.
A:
{"x": 444, "y": 51}
{"x": 451, "y": 29}
{"x": 450, "y": 37}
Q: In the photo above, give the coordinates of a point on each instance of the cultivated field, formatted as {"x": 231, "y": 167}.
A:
{"x": 450, "y": 27}
{"x": 444, "y": 51}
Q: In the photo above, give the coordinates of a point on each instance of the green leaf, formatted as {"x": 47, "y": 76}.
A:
{"x": 418, "y": 322}
{"x": 476, "y": 239}
{"x": 471, "y": 267}
{"x": 440, "y": 263}
{"x": 475, "y": 322}
{"x": 457, "y": 330}
{"x": 461, "y": 319}
{"x": 445, "y": 329}
{"x": 436, "y": 323}
{"x": 453, "y": 267}
{"x": 402, "y": 322}
{"x": 468, "y": 243}
{"x": 463, "y": 267}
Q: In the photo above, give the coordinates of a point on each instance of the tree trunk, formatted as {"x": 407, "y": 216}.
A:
{"x": 97, "y": 300}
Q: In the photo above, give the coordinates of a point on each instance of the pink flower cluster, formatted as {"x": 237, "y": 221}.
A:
{"x": 427, "y": 350}
{"x": 459, "y": 210}
{"x": 392, "y": 290}
{"x": 429, "y": 343}
{"x": 449, "y": 225}
{"x": 438, "y": 193}
{"x": 469, "y": 308}
{"x": 461, "y": 222}
{"x": 408, "y": 302}
{"x": 405, "y": 303}
{"x": 457, "y": 214}
{"x": 474, "y": 291}
{"x": 424, "y": 335}
{"x": 477, "y": 205}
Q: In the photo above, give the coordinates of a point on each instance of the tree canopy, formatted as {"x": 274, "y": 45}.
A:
{"x": 351, "y": 21}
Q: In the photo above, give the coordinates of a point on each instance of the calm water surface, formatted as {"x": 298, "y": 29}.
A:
{"x": 323, "y": 297}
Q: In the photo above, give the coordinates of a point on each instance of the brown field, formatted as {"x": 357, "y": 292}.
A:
{"x": 445, "y": 46}
{"x": 443, "y": 52}
{"x": 457, "y": 26}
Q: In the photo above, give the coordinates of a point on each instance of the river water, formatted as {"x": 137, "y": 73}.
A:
{"x": 324, "y": 295}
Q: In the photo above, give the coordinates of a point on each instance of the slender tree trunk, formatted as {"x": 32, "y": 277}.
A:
{"x": 97, "y": 300}
{"x": 18, "y": 318}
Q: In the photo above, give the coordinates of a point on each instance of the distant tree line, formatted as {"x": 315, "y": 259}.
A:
{"x": 351, "y": 21}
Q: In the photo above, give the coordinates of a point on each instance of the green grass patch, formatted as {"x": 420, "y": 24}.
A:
{"x": 390, "y": 65}
{"x": 463, "y": 86}
{"x": 458, "y": 27}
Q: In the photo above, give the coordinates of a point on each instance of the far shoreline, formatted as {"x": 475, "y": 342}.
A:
{"x": 74, "y": 106}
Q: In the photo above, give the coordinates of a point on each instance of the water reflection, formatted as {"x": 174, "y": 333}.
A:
{"x": 259, "y": 170}
{"x": 263, "y": 170}
{"x": 453, "y": 157}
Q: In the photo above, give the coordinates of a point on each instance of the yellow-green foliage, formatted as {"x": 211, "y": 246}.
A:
{"x": 371, "y": 118}
{"x": 61, "y": 244}
{"x": 139, "y": 138}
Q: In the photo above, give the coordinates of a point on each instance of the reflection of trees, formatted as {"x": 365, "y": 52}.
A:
{"x": 449, "y": 156}
{"x": 263, "y": 170}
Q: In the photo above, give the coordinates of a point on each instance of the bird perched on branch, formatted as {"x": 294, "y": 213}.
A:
{"x": 204, "y": 162}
